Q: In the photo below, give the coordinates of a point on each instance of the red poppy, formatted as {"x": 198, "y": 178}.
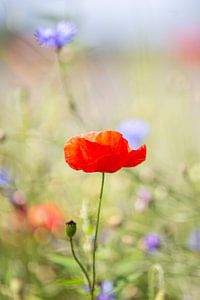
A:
{"x": 104, "y": 151}
{"x": 46, "y": 215}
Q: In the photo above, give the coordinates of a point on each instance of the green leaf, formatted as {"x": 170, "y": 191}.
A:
{"x": 64, "y": 261}
{"x": 126, "y": 280}
{"x": 70, "y": 281}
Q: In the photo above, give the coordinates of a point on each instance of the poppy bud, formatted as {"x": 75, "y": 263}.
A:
{"x": 70, "y": 228}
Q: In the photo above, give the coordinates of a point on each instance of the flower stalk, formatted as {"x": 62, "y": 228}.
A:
{"x": 80, "y": 265}
{"x": 95, "y": 239}
{"x": 71, "y": 230}
{"x": 71, "y": 101}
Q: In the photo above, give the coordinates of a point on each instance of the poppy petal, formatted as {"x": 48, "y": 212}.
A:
{"x": 108, "y": 164}
{"x": 80, "y": 152}
{"x": 136, "y": 157}
{"x": 113, "y": 139}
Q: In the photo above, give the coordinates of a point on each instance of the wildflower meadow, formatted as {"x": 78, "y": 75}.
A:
{"x": 99, "y": 166}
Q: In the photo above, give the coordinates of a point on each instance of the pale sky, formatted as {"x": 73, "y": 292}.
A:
{"x": 104, "y": 22}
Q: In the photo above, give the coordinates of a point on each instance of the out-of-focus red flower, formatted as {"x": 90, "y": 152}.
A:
{"x": 187, "y": 44}
{"x": 47, "y": 216}
{"x": 104, "y": 151}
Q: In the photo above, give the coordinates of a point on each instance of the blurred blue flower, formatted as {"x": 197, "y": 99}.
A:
{"x": 152, "y": 242}
{"x": 57, "y": 37}
{"x": 5, "y": 180}
{"x": 134, "y": 131}
{"x": 194, "y": 240}
{"x": 86, "y": 288}
{"x": 106, "y": 291}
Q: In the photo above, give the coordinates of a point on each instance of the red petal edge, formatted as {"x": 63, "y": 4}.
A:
{"x": 136, "y": 157}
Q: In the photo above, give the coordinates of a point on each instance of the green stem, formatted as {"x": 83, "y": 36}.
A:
{"x": 81, "y": 266}
{"x": 95, "y": 239}
{"x": 151, "y": 284}
{"x": 66, "y": 89}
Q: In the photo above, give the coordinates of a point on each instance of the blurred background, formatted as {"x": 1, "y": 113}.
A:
{"x": 135, "y": 61}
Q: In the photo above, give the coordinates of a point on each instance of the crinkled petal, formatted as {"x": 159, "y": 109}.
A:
{"x": 113, "y": 139}
{"x": 88, "y": 156}
{"x": 109, "y": 164}
{"x": 80, "y": 152}
{"x": 135, "y": 157}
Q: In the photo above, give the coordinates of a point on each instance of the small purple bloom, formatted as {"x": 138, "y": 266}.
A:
{"x": 134, "y": 131}
{"x": 144, "y": 197}
{"x": 152, "y": 242}
{"x": 57, "y": 37}
{"x": 194, "y": 240}
{"x": 17, "y": 199}
{"x": 106, "y": 291}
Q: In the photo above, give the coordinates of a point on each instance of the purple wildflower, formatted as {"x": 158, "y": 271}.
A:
{"x": 106, "y": 291}
{"x": 7, "y": 188}
{"x": 18, "y": 200}
{"x": 134, "y": 131}
{"x": 144, "y": 197}
{"x": 152, "y": 242}
{"x": 194, "y": 240}
{"x": 57, "y": 37}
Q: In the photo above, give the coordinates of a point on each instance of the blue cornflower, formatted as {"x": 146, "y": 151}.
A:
{"x": 194, "y": 240}
{"x": 106, "y": 291}
{"x": 134, "y": 131}
{"x": 5, "y": 180}
{"x": 57, "y": 37}
{"x": 152, "y": 242}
